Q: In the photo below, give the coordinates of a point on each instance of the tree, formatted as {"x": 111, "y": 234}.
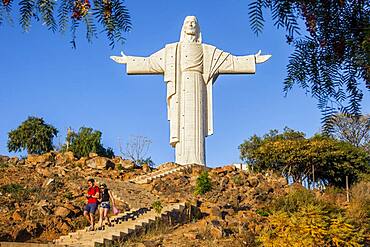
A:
{"x": 86, "y": 141}
{"x": 332, "y": 60}
{"x": 112, "y": 15}
{"x": 136, "y": 149}
{"x": 355, "y": 130}
{"x": 292, "y": 155}
{"x": 33, "y": 135}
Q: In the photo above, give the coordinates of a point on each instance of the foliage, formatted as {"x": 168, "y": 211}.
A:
{"x": 157, "y": 206}
{"x": 292, "y": 155}
{"x": 3, "y": 165}
{"x": 352, "y": 129}
{"x": 86, "y": 141}
{"x": 311, "y": 226}
{"x": 291, "y": 202}
{"x": 147, "y": 161}
{"x": 300, "y": 219}
{"x": 16, "y": 191}
{"x": 203, "y": 184}
{"x": 359, "y": 207}
{"x": 119, "y": 167}
{"x": 33, "y": 135}
{"x": 331, "y": 59}
{"x": 136, "y": 149}
{"x": 112, "y": 15}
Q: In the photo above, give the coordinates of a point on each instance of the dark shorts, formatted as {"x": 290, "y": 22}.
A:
{"x": 105, "y": 205}
{"x": 91, "y": 208}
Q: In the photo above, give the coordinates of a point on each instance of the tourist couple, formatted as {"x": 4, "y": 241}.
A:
{"x": 97, "y": 195}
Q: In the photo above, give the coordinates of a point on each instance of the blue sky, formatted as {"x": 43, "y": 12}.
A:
{"x": 40, "y": 75}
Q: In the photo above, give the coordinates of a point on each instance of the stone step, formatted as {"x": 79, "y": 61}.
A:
{"x": 134, "y": 225}
{"x": 158, "y": 174}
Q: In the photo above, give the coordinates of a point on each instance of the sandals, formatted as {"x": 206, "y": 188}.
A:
{"x": 90, "y": 228}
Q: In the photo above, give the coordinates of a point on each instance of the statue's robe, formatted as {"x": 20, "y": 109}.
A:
{"x": 190, "y": 70}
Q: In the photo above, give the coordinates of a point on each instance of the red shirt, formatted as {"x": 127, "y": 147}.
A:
{"x": 92, "y": 191}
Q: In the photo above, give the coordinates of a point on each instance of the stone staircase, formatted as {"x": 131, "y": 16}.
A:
{"x": 147, "y": 178}
{"x": 131, "y": 222}
{"x": 132, "y": 194}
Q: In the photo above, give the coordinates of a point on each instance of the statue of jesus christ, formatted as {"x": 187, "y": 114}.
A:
{"x": 190, "y": 68}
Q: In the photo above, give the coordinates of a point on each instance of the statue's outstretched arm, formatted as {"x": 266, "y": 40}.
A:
{"x": 121, "y": 60}
{"x": 261, "y": 58}
{"x": 154, "y": 64}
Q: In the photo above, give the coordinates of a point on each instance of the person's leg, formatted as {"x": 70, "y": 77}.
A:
{"x": 106, "y": 215}
{"x": 86, "y": 214}
{"x": 92, "y": 220}
{"x": 101, "y": 216}
{"x": 92, "y": 212}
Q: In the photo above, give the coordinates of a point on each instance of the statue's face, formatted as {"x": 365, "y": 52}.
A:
{"x": 190, "y": 25}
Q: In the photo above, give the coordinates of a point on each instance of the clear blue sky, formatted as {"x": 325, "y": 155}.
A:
{"x": 40, "y": 75}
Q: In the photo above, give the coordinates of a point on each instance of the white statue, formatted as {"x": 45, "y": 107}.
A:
{"x": 190, "y": 68}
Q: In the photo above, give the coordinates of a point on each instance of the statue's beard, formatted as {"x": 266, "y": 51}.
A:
{"x": 191, "y": 31}
{"x": 191, "y": 36}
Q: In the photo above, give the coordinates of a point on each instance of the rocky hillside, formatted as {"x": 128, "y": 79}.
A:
{"x": 42, "y": 198}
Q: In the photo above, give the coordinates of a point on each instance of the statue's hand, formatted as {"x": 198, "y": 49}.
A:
{"x": 121, "y": 60}
{"x": 261, "y": 58}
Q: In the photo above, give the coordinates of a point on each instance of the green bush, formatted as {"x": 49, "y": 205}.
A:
{"x": 16, "y": 191}
{"x": 157, "y": 206}
{"x": 203, "y": 184}
{"x": 86, "y": 141}
{"x": 4, "y": 165}
{"x": 33, "y": 135}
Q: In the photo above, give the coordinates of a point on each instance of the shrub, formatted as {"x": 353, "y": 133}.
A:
{"x": 86, "y": 141}
{"x": 16, "y": 191}
{"x": 292, "y": 201}
{"x": 359, "y": 207}
{"x": 157, "y": 206}
{"x": 311, "y": 225}
{"x": 33, "y": 135}
{"x": 3, "y": 165}
{"x": 203, "y": 184}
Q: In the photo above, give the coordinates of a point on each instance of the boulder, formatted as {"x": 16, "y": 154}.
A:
{"x": 216, "y": 229}
{"x": 13, "y": 160}
{"x": 64, "y": 158}
{"x": 81, "y": 162}
{"x": 16, "y": 216}
{"x": 191, "y": 235}
{"x": 35, "y": 159}
{"x": 100, "y": 163}
{"x": 93, "y": 155}
{"x": 43, "y": 171}
{"x": 62, "y": 212}
{"x": 128, "y": 164}
{"x": 252, "y": 181}
{"x": 4, "y": 159}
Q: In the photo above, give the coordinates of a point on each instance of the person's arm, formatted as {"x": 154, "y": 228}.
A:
{"x": 111, "y": 196}
{"x": 97, "y": 194}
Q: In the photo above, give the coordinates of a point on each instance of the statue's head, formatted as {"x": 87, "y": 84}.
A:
{"x": 190, "y": 31}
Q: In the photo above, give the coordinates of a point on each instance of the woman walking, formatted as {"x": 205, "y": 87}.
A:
{"x": 104, "y": 206}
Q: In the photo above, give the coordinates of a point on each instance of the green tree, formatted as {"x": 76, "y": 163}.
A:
{"x": 33, "y": 135}
{"x": 292, "y": 155}
{"x": 86, "y": 141}
{"x": 331, "y": 60}
{"x": 111, "y": 15}
{"x": 203, "y": 184}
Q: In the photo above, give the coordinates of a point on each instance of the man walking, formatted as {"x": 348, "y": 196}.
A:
{"x": 92, "y": 202}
